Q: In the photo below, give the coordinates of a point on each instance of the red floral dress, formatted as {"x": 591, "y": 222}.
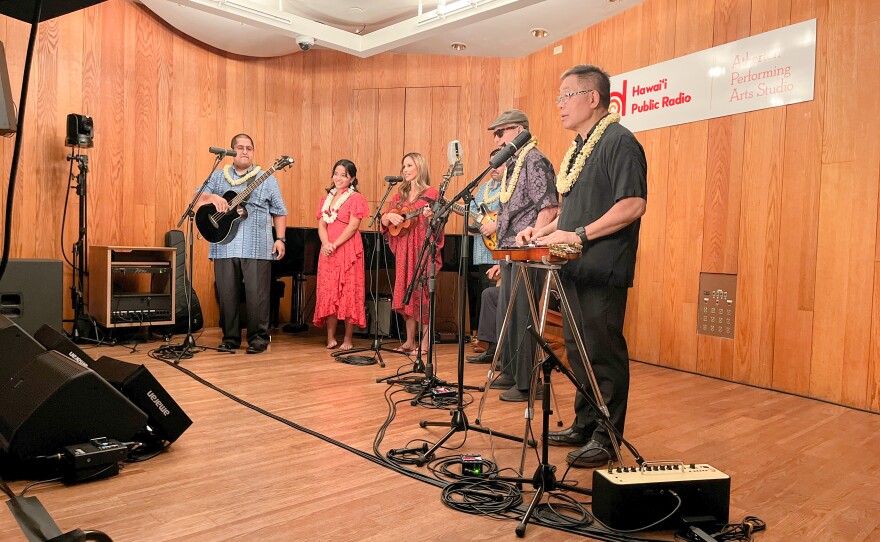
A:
{"x": 341, "y": 282}
{"x": 406, "y": 247}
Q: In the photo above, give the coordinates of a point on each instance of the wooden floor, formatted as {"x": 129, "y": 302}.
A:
{"x": 809, "y": 469}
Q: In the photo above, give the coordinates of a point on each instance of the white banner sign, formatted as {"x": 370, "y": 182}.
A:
{"x": 768, "y": 70}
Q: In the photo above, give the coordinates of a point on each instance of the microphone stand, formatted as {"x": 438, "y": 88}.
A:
{"x": 189, "y": 346}
{"x": 459, "y": 421}
{"x": 376, "y": 347}
{"x": 544, "y": 479}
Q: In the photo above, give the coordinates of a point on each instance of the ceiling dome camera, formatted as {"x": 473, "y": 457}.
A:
{"x": 305, "y": 42}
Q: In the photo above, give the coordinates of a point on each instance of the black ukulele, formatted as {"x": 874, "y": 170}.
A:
{"x": 221, "y": 228}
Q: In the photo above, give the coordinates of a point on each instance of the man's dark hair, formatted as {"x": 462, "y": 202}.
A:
{"x": 232, "y": 144}
{"x": 595, "y": 77}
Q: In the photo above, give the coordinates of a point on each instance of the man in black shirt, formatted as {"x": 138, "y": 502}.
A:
{"x": 603, "y": 183}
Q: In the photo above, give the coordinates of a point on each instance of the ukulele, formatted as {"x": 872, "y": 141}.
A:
{"x": 409, "y": 217}
{"x": 556, "y": 253}
{"x": 221, "y": 228}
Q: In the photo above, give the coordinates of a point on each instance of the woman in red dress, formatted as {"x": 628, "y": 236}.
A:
{"x": 340, "y": 289}
{"x": 413, "y": 194}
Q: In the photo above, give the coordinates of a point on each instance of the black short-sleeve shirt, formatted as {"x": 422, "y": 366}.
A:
{"x": 617, "y": 169}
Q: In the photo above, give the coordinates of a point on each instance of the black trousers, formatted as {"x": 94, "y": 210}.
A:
{"x": 518, "y": 351}
{"x": 488, "y": 330}
{"x": 598, "y": 314}
{"x": 477, "y": 281}
{"x": 229, "y": 273}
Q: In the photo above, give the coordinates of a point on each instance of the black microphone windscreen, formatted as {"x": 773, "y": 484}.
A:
{"x": 509, "y": 149}
{"x": 393, "y": 179}
{"x": 221, "y": 150}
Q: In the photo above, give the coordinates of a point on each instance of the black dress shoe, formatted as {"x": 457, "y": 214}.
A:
{"x": 593, "y": 454}
{"x": 227, "y": 346}
{"x": 258, "y": 348}
{"x": 485, "y": 357}
{"x": 568, "y": 437}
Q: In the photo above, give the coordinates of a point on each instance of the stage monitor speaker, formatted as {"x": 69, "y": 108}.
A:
{"x": 54, "y": 402}
{"x": 17, "y": 348}
{"x": 30, "y": 293}
{"x": 137, "y": 383}
{"x": 383, "y": 320}
{"x": 166, "y": 418}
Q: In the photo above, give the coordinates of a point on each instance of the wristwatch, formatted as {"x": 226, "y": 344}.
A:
{"x": 583, "y": 235}
{"x": 282, "y": 239}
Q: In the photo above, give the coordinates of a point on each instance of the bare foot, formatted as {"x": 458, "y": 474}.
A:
{"x": 331, "y": 344}
{"x": 345, "y": 346}
{"x": 405, "y": 348}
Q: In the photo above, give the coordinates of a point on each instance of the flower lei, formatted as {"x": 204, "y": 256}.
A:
{"x": 486, "y": 199}
{"x": 235, "y": 182}
{"x": 507, "y": 191}
{"x": 566, "y": 178}
{"x": 328, "y": 213}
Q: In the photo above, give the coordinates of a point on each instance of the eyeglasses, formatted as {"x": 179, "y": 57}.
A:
{"x": 565, "y": 97}
{"x": 242, "y": 148}
{"x": 500, "y": 131}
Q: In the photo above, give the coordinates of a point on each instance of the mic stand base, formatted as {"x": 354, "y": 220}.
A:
{"x": 458, "y": 423}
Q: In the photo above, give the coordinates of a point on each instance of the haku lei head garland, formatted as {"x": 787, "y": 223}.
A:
{"x": 329, "y": 214}
{"x": 567, "y": 177}
{"x": 508, "y": 187}
{"x": 235, "y": 182}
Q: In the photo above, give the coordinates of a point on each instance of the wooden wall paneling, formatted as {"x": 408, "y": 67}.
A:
{"x": 148, "y": 188}
{"x": 873, "y": 392}
{"x": 732, "y": 20}
{"x": 365, "y": 139}
{"x": 839, "y": 42}
{"x": 694, "y": 21}
{"x": 759, "y": 245}
{"x": 417, "y": 125}
{"x": 723, "y": 194}
{"x": 832, "y": 272}
{"x": 636, "y": 46}
{"x": 663, "y": 30}
{"x": 799, "y": 230}
{"x": 508, "y": 90}
{"x": 681, "y": 267}
{"x": 645, "y": 300}
{"x": 392, "y": 130}
{"x": 445, "y": 114}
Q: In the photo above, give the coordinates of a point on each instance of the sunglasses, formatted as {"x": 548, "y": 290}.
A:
{"x": 500, "y": 131}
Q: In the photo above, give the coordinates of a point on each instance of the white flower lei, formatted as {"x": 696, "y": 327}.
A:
{"x": 235, "y": 182}
{"x": 486, "y": 199}
{"x": 566, "y": 179}
{"x": 507, "y": 191}
{"x": 329, "y": 214}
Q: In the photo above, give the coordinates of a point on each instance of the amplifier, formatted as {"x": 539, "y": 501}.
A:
{"x": 633, "y": 498}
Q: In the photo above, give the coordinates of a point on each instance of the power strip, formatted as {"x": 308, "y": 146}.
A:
{"x": 633, "y": 498}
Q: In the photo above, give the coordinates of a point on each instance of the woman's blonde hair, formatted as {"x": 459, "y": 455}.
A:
{"x": 423, "y": 180}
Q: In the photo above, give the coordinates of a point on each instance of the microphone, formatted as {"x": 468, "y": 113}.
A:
{"x": 222, "y": 151}
{"x": 510, "y": 149}
{"x": 453, "y": 152}
{"x": 393, "y": 179}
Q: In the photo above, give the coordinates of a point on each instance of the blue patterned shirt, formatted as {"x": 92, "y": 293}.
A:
{"x": 483, "y": 255}
{"x": 254, "y": 238}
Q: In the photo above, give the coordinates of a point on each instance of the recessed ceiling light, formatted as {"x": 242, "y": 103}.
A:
{"x": 458, "y": 46}
{"x": 539, "y": 32}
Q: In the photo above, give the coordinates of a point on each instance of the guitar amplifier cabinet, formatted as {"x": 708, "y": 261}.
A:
{"x": 132, "y": 286}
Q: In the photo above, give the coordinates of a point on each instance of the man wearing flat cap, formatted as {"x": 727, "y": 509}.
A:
{"x": 528, "y": 199}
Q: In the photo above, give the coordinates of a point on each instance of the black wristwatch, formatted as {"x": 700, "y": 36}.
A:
{"x": 583, "y": 236}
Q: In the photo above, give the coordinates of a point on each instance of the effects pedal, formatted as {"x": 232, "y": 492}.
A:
{"x": 442, "y": 391}
{"x": 96, "y": 459}
{"x": 628, "y": 498}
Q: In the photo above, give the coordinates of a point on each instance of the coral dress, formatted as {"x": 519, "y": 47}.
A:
{"x": 406, "y": 247}
{"x": 341, "y": 282}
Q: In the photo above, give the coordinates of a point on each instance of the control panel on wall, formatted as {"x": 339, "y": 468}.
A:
{"x": 716, "y": 314}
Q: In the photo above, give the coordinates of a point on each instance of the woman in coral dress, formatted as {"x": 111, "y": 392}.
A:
{"x": 413, "y": 194}
{"x": 340, "y": 288}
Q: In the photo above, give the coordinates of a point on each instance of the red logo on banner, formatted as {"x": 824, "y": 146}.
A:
{"x": 618, "y": 101}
